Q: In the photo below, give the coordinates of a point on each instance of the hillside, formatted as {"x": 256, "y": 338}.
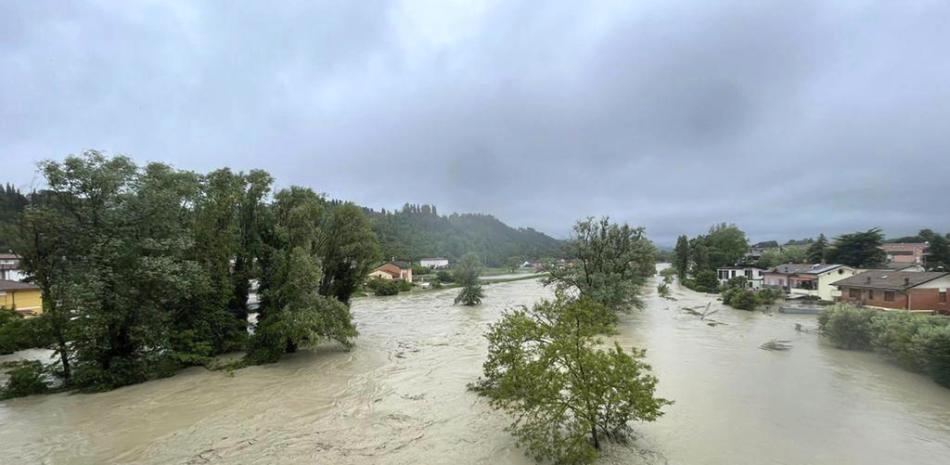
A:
{"x": 418, "y": 231}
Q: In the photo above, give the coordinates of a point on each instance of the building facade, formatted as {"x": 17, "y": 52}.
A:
{"x": 435, "y": 263}
{"x": 905, "y": 252}
{"x": 10, "y": 267}
{"x": 393, "y": 270}
{"x": 754, "y": 275}
{"x": 25, "y": 298}
{"x": 815, "y": 280}
{"x": 898, "y": 290}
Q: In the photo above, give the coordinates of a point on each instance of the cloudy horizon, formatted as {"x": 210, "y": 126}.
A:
{"x": 788, "y": 119}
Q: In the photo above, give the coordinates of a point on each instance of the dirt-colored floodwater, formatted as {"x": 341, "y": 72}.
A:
{"x": 399, "y": 397}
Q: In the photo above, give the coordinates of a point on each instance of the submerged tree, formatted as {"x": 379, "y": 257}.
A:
{"x": 612, "y": 262}
{"x": 347, "y": 248}
{"x": 567, "y": 395}
{"x": 681, "y": 257}
{"x": 292, "y": 313}
{"x": 466, "y": 274}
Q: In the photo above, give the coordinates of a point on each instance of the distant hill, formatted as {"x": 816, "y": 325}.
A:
{"x": 418, "y": 231}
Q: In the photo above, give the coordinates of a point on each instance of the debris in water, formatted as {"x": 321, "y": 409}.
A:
{"x": 776, "y": 344}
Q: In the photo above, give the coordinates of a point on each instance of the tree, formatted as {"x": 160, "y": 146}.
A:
{"x": 612, "y": 262}
{"x": 727, "y": 244}
{"x": 681, "y": 257}
{"x": 347, "y": 249}
{"x": 818, "y": 249}
{"x": 514, "y": 263}
{"x": 699, "y": 254}
{"x": 467, "y": 273}
{"x": 567, "y": 395}
{"x": 938, "y": 254}
{"x": 292, "y": 313}
{"x": 860, "y": 249}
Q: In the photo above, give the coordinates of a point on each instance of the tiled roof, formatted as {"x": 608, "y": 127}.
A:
{"x": 885, "y": 279}
{"x": 15, "y": 286}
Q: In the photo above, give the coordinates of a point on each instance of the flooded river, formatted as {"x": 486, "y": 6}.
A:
{"x": 399, "y": 397}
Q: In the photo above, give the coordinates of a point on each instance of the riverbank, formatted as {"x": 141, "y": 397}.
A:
{"x": 399, "y": 397}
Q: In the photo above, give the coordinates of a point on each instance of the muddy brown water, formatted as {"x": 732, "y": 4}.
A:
{"x": 399, "y": 397}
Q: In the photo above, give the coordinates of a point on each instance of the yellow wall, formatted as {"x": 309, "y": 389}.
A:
{"x": 22, "y": 300}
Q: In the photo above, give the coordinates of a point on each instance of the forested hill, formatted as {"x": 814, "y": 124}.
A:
{"x": 418, "y": 231}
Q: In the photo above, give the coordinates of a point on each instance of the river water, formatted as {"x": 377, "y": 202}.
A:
{"x": 399, "y": 397}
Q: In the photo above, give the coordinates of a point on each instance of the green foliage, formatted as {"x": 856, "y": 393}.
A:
{"x": 704, "y": 281}
{"x": 445, "y": 276}
{"x": 513, "y": 263}
{"x": 817, "y": 250}
{"x": 783, "y": 254}
{"x": 917, "y": 342}
{"x": 681, "y": 258}
{"x": 859, "y": 249}
{"x": 26, "y": 378}
{"x": 938, "y": 253}
{"x": 12, "y": 204}
{"x": 403, "y": 285}
{"x": 727, "y": 244}
{"x": 847, "y": 327}
{"x": 545, "y": 368}
{"x": 663, "y": 289}
{"x": 668, "y": 274}
{"x": 18, "y": 333}
{"x": 346, "y": 249}
{"x": 419, "y": 231}
{"x": 418, "y": 270}
{"x": 612, "y": 262}
{"x": 466, "y": 274}
{"x": 383, "y": 287}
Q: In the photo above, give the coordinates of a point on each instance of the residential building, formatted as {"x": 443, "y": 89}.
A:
{"x": 905, "y": 252}
{"x": 435, "y": 263}
{"x": 393, "y": 270}
{"x": 753, "y": 275}
{"x": 900, "y": 266}
{"x": 10, "y": 267}
{"x": 902, "y": 290}
{"x": 806, "y": 279}
{"x": 25, "y": 298}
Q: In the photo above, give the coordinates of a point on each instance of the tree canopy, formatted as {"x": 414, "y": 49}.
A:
{"x": 859, "y": 249}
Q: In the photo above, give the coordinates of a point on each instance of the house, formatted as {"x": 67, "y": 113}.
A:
{"x": 25, "y": 298}
{"x": 903, "y": 290}
{"x": 905, "y": 252}
{"x": 393, "y": 270}
{"x": 10, "y": 267}
{"x": 808, "y": 279}
{"x": 753, "y": 275}
{"x": 901, "y": 266}
{"x": 435, "y": 263}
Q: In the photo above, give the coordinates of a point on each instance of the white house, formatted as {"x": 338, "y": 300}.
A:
{"x": 10, "y": 267}
{"x": 435, "y": 263}
{"x": 809, "y": 279}
{"x": 752, "y": 274}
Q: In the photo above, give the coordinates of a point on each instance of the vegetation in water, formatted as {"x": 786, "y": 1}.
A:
{"x": 466, "y": 274}
{"x": 611, "y": 264}
{"x": 545, "y": 366}
{"x": 917, "y": 342}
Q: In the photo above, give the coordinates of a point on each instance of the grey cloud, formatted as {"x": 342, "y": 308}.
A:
{"x": 787, "y": 118}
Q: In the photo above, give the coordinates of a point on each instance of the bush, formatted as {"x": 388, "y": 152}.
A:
{"x": 383, "y": 287}
{"x": 936, "y": 344}
{"x": 663, "y": 289}
{"x": 18, "y": 333}
{"x": 668, "y": 274}
{"x": 743, "y": 299}
{"x": 847, "y": 327}
{"x": 404, "y": 285}
{"x": 903, "y": 336}
{"x": 445, "y": 276}
{"x": 27, "y": 378}
{"x": 704, "y": 281}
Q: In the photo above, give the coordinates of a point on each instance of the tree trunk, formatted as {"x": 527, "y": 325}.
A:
{"x": 64, "y": 359}
{"x": 593, "y": 434}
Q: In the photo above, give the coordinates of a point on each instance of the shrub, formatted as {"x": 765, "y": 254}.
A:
{"x": 18, "y": 333}
{"x": 25, "y": 379}
{"x": 663, "y": 289}
{"x": 903, "y": 336}
{"x": 383, "y": 287}
{"x": 936, "y": 345}
{"x": 742, "y": 299}
{"x": 847, "y": 327}
{"x": 403, "y": 285}
{"x": 706, "y": 281}
{"x": 445, "y": 276}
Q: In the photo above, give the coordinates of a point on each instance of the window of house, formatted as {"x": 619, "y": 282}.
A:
{"x": 854, "y": 293}
{"x": 870, "y": 294}
{"x": 942, "y": 297}
{"x": 888, "y": 296}
{"x": 733, "y": 273}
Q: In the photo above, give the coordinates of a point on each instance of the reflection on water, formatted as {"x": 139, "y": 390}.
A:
{"x": 399, "y": 397}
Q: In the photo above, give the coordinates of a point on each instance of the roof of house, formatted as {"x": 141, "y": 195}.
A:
{"x": 896, "y": 266}
{"x": 6, "y": 285}
{"x": 402, "y": 265}
{"x": 741, "y": 267}
{"x": 892, "y": 280}
{"x": 433, "y": 258}
{"x": 803, "y": 268}
{"x": 9, "y": 256}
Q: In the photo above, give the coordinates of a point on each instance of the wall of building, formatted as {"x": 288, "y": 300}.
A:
{"x": 874, "y": 297}
{"x": 27, "y": 300}
{"x": 826, "y": 291}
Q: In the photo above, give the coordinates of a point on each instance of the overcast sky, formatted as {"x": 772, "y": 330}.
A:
{"x": 788, "y": 119}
